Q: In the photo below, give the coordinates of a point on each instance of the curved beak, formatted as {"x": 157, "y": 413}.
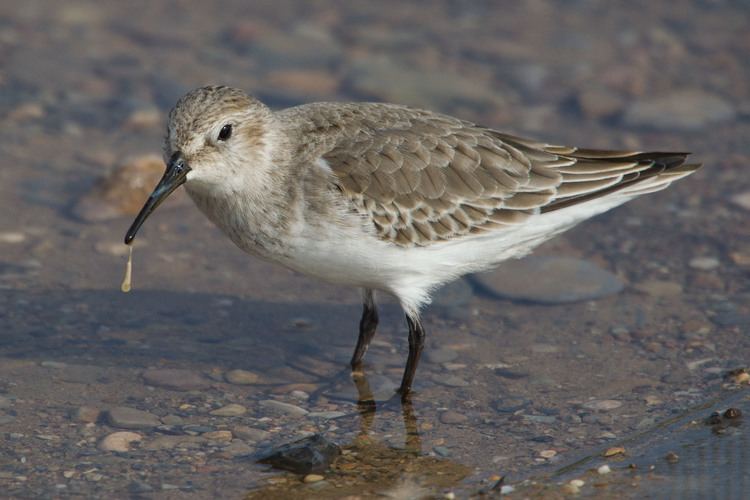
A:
{"x": 174, "y": 177}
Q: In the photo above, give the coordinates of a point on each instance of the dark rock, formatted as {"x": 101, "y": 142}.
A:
{"x": 311, "y": 454}
{"x": 548, "y": 280}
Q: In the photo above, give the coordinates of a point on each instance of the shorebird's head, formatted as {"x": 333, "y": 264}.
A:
{"x": 217, "y": 138}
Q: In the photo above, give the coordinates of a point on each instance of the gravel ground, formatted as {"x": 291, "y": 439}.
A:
{"x": 216, "y": 358}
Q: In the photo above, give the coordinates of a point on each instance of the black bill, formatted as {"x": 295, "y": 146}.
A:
{"x": 174, "y": 177}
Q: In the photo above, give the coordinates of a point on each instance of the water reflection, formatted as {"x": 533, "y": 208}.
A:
{"x": 370, "y": 466}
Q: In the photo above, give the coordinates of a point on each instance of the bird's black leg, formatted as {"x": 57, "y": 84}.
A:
{"x": 367, "y": 326}
{"x": 416, "y": 344}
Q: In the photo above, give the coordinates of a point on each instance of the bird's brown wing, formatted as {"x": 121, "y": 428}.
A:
{"x": 438, "y": 179}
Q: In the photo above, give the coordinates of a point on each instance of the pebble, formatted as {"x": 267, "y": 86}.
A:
{"x": 679, "y": 110}
{"x": 604, "y": 469}
{"x": 230, "y": 410}
{"x": 659, "y": 288}
{"x": 392, "y": 81}
{"x": 547, "y": 453}
{"x": 130, "y": 418}
{"x": 250, "y": 433}
{"x": 453, "y": 417}
{"x": 615, "y": 450}
{"x": 450, "y": 380}
{"x": 171, "y": 442}
{"x": 442, "y": 451}
{"x": 124, "y": 190}
{"x": 672, "y": 457}
{"x": 704, "y": 263}
{"x": 598, "y": 103}
{"x": 218, "y": 435}
{"x": 540, "y": 419}
{"x": 241, "y": 377}
{"x": 313, "y": 478}
{"x": 602, "y": 405}
{"x": 549, "y": 280}
{"x": 237, "y": 448}
{"x": 441, "y": 355}
{"x": 511, "y": 404}
{"x": 312, "y": 454}
{"x": 281, "y": 407}
{"x": 742, "y": 200}
{"x": 12, "y": 237}
{"x": 577, "y": 482}
{"x": 86, "y": 414}
{"x": 175, "y": 379}
{"x": 326, "y": 415}
{"x": 119, "y": 441}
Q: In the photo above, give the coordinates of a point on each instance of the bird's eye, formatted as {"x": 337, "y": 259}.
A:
{"x": 225, "y": 133}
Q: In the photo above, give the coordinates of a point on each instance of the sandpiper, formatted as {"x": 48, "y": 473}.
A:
{"x": 386, "y": 197}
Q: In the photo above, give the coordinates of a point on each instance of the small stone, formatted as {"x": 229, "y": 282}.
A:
{"x": 442, "y": 451}
{"x": 549, "y": 280}
{"x": 652, "y": 400}
{"x": 250, "y": 433}
{"x": 578, "y": 482}
{"x": 130, "y": 418}
{"x": 441, "y": 355}
{"x": 742, "y": 200}
{"x": 12, "y": 237}
{"x": 312, "y": 454}
{"x": 613, "y": 451}
{"x": 281, "y": 407}
{"x": 704, "y": 263}
{"x": 599, "y": 103}
{"x": 452, "y": 417}
{"x": 313, "y": 478}
{"x": 175, "y": 379}
{"x": 602, "y": 405}
{"x": 672, "y": 457}
{"x": 547, "y": 454}
{"x": 511, "y": 404}
{"x": 241, "y": 377}
{"x": 237, "y": 448}
{"x": 679, "y": 110}
{"x": 740, "y": 258}
{"x": 56, "y": 365}
{"x": 125, "y": 190}
{"x": 68, "y": 474}
{"x": 658, "y": 288}
{"x": 571, "y": 489}
{"x": 737, "y": 376}
{"x": 230, "y": 410}
{"x": 450, "y": 380}
{"x": 171, "y": 442}
{"x": 732, "y": 413}
{"x": 86, "y": 414}
{"x": 119, "y": 441}
{"x": 604, "y": 469}
{"x": 326, "y": 415}
{"x": 144, "y": 118}
{"x": 218, "y": 436}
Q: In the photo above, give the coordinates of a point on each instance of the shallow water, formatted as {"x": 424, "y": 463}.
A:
{"x": 505, "y": 389}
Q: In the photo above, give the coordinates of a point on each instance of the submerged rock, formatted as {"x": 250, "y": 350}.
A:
{"x": 549, "y": 280}
{"x": 313, "y": 454}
